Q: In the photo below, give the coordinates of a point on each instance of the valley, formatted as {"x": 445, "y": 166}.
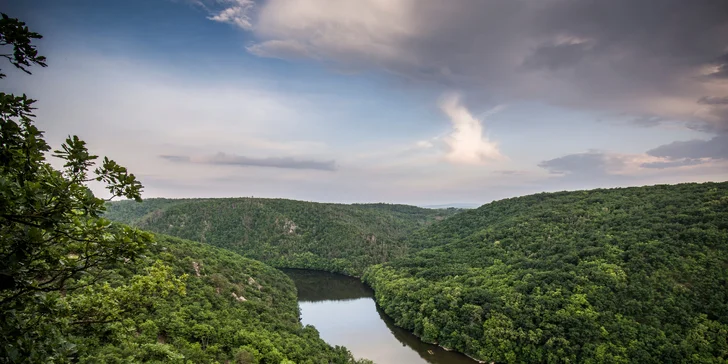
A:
{"x": 585, "y": 275}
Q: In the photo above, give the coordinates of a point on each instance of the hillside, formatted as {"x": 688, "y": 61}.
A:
{"x": 286, "y": 233}
{"x": 230, "y": 309}
{"x": 610, "y": 275}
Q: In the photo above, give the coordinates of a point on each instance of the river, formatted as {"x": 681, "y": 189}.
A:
{"x": 344, "y": 312}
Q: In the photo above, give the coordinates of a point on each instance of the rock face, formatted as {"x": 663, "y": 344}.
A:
{"x": 196, "y": 267}
{"x": 238, "y": 298}
{"x": 371, "y": 238}
{"x": 290, "y": 227}
{"x": 253, "y": 283}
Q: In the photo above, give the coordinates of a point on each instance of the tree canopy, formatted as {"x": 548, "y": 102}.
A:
{"x": 608, "y": 275}
{"x": 620, "y": 275}
{"x": 286, "y": 233}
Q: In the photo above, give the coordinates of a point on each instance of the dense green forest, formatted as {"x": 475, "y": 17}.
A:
{"x": 609, "y": 275}
{"x": 183, "y": 302}
{"x": 630, "y": 275}
{"x": 286, "y": 233}
{"x": 226, "y": 308}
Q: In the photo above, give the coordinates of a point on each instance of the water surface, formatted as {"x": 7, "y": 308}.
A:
{"x": 344, "y": 312}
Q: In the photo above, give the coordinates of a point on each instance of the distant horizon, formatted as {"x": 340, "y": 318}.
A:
{"x": 461, "y": 205}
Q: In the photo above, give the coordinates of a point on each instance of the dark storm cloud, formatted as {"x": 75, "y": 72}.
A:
{"x": 242, "y": 161}
{"x": 615, "y": 55}
{"x": 715, "y": 148}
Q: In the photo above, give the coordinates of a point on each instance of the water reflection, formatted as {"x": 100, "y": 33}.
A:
{"x": 315, "y": 286}
{"x": 344, "y": 312}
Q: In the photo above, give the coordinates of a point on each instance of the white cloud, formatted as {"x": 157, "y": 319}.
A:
{"x": 238, "y": 14}
{"x": 361, "y": 33}
{"x": 467, "y": 143}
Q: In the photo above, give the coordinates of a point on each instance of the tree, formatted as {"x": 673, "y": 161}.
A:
{"x": 52, "y": 238}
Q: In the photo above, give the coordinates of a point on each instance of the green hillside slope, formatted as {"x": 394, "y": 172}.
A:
{"x": 286, "y": 233}
{"x": 634, "y": 275}
{"x": 232, "y": 309}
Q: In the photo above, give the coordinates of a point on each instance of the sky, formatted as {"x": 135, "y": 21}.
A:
{"x": 422, "y": 102}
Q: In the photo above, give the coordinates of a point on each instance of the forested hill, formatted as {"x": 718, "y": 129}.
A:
{"x": 611, "y": 275}
{"x": 286, "y": 233}
{"x": 628, "y": 275}
{"x": 223, "y": 308}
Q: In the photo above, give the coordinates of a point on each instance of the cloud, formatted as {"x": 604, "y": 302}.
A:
{"x": 510, "y": 172}
{"x": 236, "y": 12}
{"x": 719, "y": 69}
{"x": 466, "y": 143}
{"x": 589, "y": 163}
{"x": 715, "y": 148}
{"x": 648, "y": 57}
{"x": 648, "y": 120}
{"x": 710, "y": 154}
{"x": 713, "y": 100}
{"x": 599, "y": 169}
{"x": 672, "y": 164}
{"x": 556, "y": 56}
{"x": 242, "y": 161}
{"x": 176, "y": 158}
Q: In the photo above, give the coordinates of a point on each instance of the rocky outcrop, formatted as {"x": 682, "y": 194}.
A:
{"x": 253, "y": 283}
{"x": 238, "y": 298}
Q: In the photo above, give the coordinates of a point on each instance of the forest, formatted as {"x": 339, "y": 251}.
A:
{"x": 286, "y": 233}
{"x": 609, "y": 275}
{"x": 628, "y": 275}
{"x": 213, "y": 306}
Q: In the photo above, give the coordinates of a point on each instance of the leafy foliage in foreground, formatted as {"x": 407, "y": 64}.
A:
{"x": 625, "y": 275}
{"x": 286, "y": 233}
{"x": 52, "y": 242}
